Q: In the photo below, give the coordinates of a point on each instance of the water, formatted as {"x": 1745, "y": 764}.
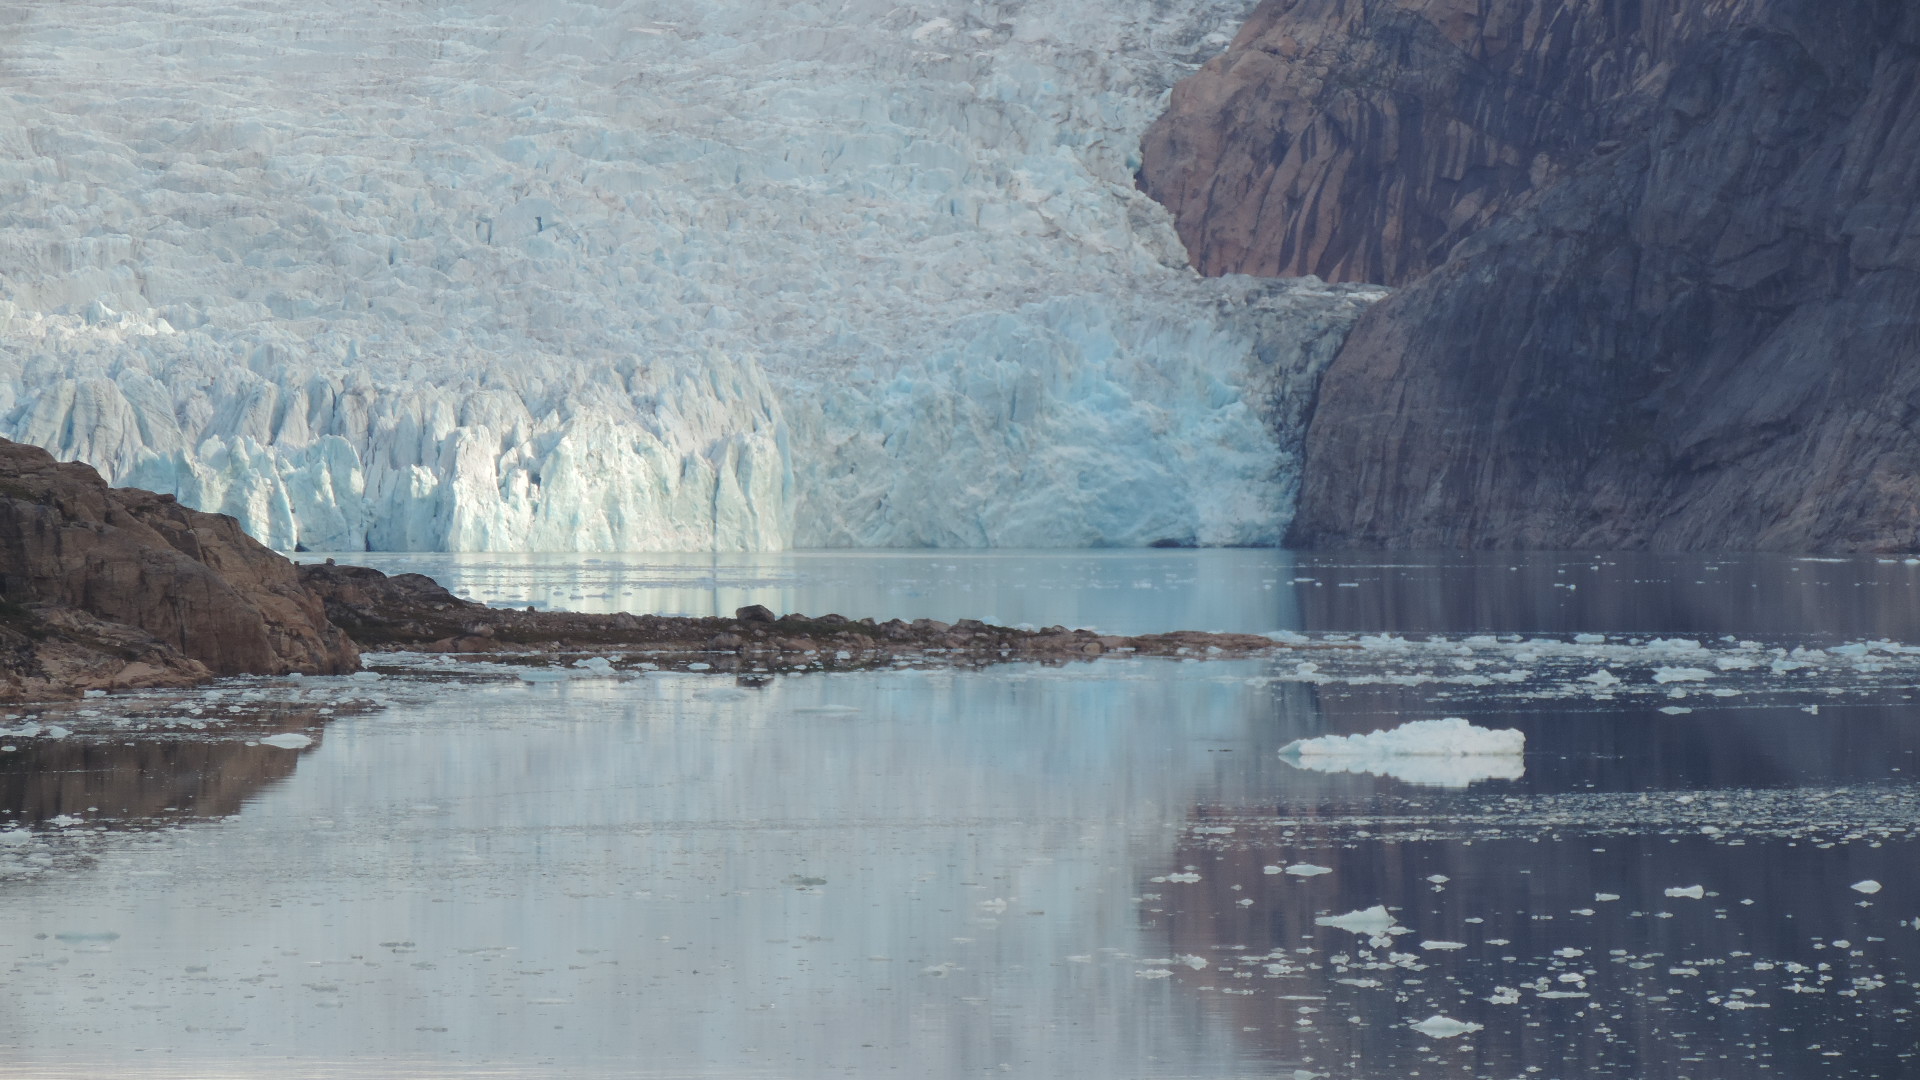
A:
{"x": 1031, "y": 871}
{"x": 1248, "y": 590}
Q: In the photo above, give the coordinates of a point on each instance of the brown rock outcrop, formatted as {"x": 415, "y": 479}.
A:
{"x": 92, "y": 577}
{"x": 1664, "y": 260}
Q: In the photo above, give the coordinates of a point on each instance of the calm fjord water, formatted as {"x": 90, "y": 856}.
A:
{"x": 1705, "y": 867}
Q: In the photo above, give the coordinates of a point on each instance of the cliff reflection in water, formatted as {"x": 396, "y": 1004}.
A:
{"x": 1786, "y": 597}
{"x": 1573, "y": 934}
{"x": 954, "y": 873}
{"x": 146, "y": 778}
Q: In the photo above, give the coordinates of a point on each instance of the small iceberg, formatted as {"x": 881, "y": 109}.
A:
{"x": 1440, "y": 753}
{"x": 1375, "y": 921}
{"x": 1444, "y": 1027}
{"x": 291, "y": 740}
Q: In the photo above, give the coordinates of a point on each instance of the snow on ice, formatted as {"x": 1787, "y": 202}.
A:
{"x": 640, "y": 276}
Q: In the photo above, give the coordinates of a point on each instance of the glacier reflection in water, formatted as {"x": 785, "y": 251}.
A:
{"x": 1073, "y": 872}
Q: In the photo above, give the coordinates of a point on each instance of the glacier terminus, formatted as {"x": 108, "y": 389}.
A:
{"x": 638, "y": 276}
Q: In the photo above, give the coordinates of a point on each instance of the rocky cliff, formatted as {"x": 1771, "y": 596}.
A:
{"x": 113, "y": 587}
{"x": 1660, "y": 257}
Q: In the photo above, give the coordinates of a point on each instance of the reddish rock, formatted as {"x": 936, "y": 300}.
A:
{"x": 181, "y": 592}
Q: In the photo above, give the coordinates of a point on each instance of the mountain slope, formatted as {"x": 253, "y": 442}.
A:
{"x": 1694, "y": 323}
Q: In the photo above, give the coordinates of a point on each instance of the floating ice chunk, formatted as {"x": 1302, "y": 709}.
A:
{"x": 1604, "y": 897}
{"x": 1152, "y": 973}
{"x": 1451, "y": 737}
{"x": 1442, "y": 753}
{"x": 55, "y": 731}
{"x": 1868, "y": 886}
{"x": 1443, "y": 1027}
{"x": 1690, "y": 892}
{"x": 1375, "y": 921}
{"x": 1197, "y": 963}
{"x": 288, "y": 740}
{"x": 1590, "y": 639}
{"x": 1269, "y": 869}
{"x": 1673, "y": 645}
{"x": 540, "y": 675}
{"x": 1681, "y": 674}
{"x": 598, "y": 664}
{"x": 1442, "y": 946}
{"x": 1438, "y": 879}
{"x": 1308, "y": 870}
{"x": 1183, "y": 879}
{"x": 1504, "y": 995}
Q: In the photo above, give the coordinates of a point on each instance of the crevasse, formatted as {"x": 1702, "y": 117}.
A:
{"x": 638, "y": 276}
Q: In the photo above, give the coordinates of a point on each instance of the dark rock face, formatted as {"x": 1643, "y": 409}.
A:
{"x": 120, "y": 587}
{"x": 1359, "y": 140}
{"x": 1694, "y": 322}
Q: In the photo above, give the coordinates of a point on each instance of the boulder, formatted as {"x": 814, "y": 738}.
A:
{"x": 192, "y": 587}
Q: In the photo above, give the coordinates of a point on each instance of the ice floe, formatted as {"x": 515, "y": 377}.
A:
{"x": 1447, "y": 753}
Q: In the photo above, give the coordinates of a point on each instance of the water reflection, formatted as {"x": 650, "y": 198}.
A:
{"x": 1568, "y": 949}
{"x": 670, "y": 877}
{"x": 1121, "y": 591}
{"x": 946, "y": 874}
{"x": 139, "y": 781}
{"x": 1776, "y": 597}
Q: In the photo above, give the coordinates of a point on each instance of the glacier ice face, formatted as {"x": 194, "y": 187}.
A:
{"x": 539, "y": 275}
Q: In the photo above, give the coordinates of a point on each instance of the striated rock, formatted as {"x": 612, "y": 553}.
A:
{"x": 1360, "y": 140}
{"x": 1663, "y": 258}
{"x": 114, "y": 587}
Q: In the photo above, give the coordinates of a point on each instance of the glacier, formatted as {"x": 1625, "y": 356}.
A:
{"x": 639, "y": 276}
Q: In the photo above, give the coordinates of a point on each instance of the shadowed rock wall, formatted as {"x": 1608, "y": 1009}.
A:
{"x": 1662, "y": 260}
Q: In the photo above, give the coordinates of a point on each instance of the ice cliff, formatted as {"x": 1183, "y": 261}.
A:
{"x": 631, "y": 276}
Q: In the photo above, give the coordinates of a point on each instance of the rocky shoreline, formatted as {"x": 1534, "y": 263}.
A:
{"x": 118, "y": 589}
{"x": 411, "y": 612}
